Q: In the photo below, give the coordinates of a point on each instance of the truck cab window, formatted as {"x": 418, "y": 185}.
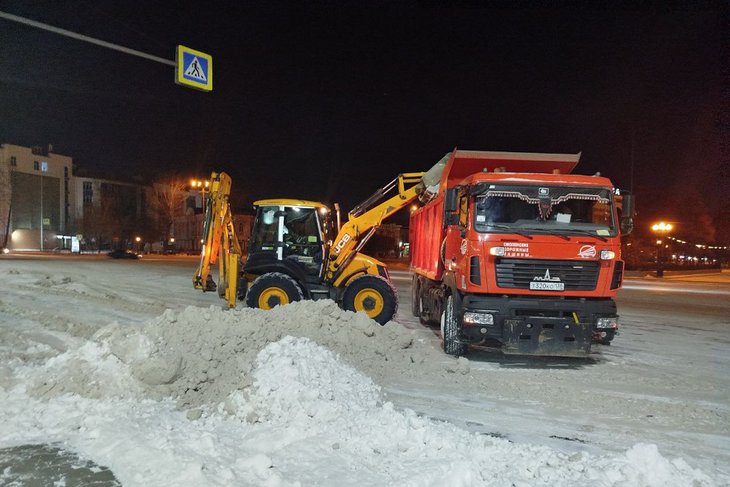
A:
{"x": 573, "y": 211}
{"x": 464, "y": 211}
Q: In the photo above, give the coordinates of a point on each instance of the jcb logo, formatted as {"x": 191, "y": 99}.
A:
{"x": 343, "y": 241}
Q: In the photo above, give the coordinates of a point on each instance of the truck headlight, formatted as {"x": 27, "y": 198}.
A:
{"x": 611, "y": 323}
{"x": 498, "y": 251}
{"x": 608, "y": 255}
{"x": 471, "y": 318}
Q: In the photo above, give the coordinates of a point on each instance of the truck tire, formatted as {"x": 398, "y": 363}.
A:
{"x": 415, "y": 297}
{"x": 372, "y": 295}
{"x": 450, "y": 329}
{"x": 272, "y": 289}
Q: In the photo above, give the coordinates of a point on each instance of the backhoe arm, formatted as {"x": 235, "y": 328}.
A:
{"x": 365, "y": 219}
{"x": 220, "y": 244}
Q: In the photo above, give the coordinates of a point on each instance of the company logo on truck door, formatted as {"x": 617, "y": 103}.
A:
{"x": 587, "y": 251}
{"x": 343, "y": 241}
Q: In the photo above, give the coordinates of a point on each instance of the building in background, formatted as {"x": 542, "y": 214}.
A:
{"x": 36, "y": 204}
{"x": 188, "y": 225}
{"x": 46, "y": 205}
{"x": 112, "y": 214}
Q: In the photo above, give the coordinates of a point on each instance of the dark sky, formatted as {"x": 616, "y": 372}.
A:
{"x": 330, "y": 100}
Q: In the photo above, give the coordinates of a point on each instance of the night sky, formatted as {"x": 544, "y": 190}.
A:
{"x": 330, "y": 100}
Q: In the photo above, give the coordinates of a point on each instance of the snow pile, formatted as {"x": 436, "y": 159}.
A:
{"x": 201, "y": 355}
{"x": 282, "y": 397}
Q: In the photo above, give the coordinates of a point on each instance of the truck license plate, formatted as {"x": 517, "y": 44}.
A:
{"x": 547, "y": 286}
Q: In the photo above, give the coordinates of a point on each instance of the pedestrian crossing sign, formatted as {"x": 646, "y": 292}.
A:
{"x": 194, "y": 69}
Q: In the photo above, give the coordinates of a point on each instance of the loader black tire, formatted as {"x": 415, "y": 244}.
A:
{"x": 450, "y": 329}
{"x": 273, "y": 289}
{"x": 374, "y": 296}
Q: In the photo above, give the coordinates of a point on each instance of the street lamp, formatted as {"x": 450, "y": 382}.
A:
{"x": 201, "y": 185}
{"x": 661, "y": 229}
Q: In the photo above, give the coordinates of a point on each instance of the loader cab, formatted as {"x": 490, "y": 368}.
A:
{"x": 290, "y": 234}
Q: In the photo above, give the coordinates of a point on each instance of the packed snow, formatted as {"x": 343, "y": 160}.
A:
{"x": 299, "y": 395}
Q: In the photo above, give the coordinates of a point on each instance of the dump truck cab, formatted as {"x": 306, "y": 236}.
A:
{"x": 515, "y": 251}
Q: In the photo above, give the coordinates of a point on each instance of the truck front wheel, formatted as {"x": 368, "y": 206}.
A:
{"x": 450, "y": 329}
{"x": 273, "y": 289}
{"x": 372, "y": 295}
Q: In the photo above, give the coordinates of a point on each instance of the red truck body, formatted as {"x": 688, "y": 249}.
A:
{"x": 540, "y": 280}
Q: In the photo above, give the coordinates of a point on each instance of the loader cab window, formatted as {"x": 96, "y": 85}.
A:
{"x": 302, "y": 237}
{"x": 266, "y": 228}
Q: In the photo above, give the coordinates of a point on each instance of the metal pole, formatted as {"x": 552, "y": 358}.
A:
{"x": 41, "y": 211}
{"x": 659, "y": 256}
{"x": 81, "y": 37}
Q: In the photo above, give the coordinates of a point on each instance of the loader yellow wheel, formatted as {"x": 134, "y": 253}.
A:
{"x": 372, "y": 295}
{"x": 271, "y": 297}
{"x": 370, "y": 301}
{"x": 271, "y": 290}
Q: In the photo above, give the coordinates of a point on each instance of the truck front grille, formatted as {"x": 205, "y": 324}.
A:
{"x": 576, "y": 275}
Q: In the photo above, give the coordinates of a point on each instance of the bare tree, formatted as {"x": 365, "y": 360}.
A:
{"x": 102, "y": 224}
{"x": 167, "y": 201}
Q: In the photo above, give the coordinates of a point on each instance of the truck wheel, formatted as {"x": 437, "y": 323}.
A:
{"x": 450, "y": 330}
{"x": 415, "y": 297}
{"x": 273, "y": 289}
{"x": 373, "y": 295}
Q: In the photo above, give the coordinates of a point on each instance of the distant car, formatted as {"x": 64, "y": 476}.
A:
{"x": 123, "y": 254}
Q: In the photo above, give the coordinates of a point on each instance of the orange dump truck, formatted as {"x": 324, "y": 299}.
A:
{"x": 514, "y": 251}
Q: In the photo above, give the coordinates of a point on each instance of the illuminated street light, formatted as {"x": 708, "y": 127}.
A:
{"x": 200, "y": 184}
{"x": 662, "y": 229}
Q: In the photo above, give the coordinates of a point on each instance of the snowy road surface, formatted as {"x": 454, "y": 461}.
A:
{"x": 93, "y": 366}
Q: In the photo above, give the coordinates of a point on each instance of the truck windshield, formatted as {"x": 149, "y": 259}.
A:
{"x": 547, "y": 209}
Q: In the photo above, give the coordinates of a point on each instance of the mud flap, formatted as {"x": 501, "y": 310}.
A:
{"x": 558, "y": 337}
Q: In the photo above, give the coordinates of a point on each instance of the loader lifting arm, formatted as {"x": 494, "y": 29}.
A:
{"x": 365, "y": 219}
{"x": 220, "y": 245}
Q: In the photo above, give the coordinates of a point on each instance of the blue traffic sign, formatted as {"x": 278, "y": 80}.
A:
{"x": 194, "y": 69}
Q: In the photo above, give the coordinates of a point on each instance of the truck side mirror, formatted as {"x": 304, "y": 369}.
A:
{"x": 627, "y": 213}
{"x": 451, "y": 204}
{"x": 451, "y": 200}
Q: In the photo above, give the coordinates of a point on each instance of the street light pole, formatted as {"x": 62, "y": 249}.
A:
{"x": 199, "y": 184}
{"x": 662, "y": 229}
{"x": 41, "y": 211}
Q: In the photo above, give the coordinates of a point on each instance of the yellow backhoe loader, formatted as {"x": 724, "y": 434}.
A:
{"x": 298, "y": 250}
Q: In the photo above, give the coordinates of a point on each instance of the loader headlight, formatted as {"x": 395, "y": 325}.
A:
{"x": 611, "y": 323}
{"x": 608, "y": 255}
{"x": 472, "y": 318}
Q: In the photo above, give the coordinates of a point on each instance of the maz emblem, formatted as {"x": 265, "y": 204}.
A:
{"x": 547, "y": 283}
